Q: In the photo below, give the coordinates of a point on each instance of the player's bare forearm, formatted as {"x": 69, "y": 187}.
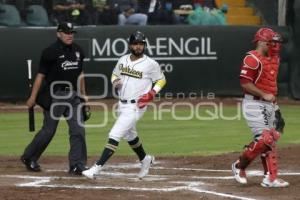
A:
{"x": 252, "y": 89}
{"x": 82, "y": 85}
{"x": 37, "y": 84}
{"x": 35, "y": 89}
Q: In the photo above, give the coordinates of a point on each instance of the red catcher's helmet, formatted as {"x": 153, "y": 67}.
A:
{"x": 266, "y": 35}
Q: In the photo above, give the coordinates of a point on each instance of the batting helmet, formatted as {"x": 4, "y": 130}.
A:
{"x": 266, "y": 35}
{"x": 137, "y": 37}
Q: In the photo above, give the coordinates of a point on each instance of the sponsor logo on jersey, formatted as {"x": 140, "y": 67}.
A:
{"x": 67, "y": 65}
{"x": 77, "y": 55}
{"x": 130, "y": 72}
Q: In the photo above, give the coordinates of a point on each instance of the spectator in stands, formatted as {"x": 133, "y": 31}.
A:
{"x": 103, "y": 13}
{"x": 197, "y": 3}
{"x": 211, "y": 4}
{"x": 178, "y": 4}
{"x": 149, "y": 8}
{"x": 206, "y": 16}
{"x": 158, "y": 12}
{"x": 71, "y": 10}
{"x": 127, "y": 12}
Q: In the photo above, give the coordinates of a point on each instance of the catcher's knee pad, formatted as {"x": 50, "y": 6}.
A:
{"x": 270, "y": 137}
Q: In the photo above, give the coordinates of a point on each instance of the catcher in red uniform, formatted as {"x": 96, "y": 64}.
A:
{"x": 258, "y": 78}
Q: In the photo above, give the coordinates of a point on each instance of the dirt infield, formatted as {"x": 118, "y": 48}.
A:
{"x": 173, "y": 178}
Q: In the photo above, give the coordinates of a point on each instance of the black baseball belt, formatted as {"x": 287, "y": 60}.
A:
{"x": 128, "y": 101}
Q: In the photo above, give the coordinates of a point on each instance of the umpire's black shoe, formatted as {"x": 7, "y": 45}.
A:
{"x": 77, "y": 169}
{"x": 31, "y": 165}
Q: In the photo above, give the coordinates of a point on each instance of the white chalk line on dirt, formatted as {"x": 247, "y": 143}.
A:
{"x": 192, "y": 186}
{"x": 138, "y": 165}
{"x": 171, "y": 189}
{"x": 45, "y": 181}
{"x": 220, "y": 194}
{"x": 34, "y": 183}
{"x": 251, "y": 173}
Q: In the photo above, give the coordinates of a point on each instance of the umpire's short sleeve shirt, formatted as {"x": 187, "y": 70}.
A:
{"x": 60, "y": 62}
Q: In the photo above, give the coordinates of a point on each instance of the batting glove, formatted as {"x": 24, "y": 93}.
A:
{"x": 146, "y": 98}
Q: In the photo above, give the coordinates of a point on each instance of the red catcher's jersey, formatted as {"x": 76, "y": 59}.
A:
{"x": 260, "y": 70}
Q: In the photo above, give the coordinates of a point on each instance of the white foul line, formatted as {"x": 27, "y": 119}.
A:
{"x": 220, "y": 194}
{"x": 34, "y": 183}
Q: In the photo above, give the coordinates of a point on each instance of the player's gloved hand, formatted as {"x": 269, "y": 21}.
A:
{"x": 146, "y": 98}
{"x": 279, "y": 121}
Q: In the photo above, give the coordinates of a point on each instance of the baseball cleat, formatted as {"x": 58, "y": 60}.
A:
{"x": 146, "y": 163}
{"x": 239, "y": 174}
{"x": 31, "y": 165}
{"x": 77, "y": 169}
{"x": 276, "y": 183}
{"x": 92, "y": 172}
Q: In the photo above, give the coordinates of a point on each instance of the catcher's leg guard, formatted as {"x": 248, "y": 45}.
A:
{"x": 271, "y": 161}
{"x": 252, "y": 150}
{"x": 264, "y": 163}
{"x": 270, "y": 179}
{"x": 255, "y": 148}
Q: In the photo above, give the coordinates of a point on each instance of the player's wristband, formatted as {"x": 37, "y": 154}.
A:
{"x": 113, "y": 78}
{"x": 159, "y": 85}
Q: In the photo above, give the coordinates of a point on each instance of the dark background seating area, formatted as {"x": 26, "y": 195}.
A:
{"x": 97, "y": 12}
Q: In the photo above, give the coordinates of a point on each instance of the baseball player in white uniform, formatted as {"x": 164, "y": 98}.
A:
{"x": 258, "y": 79}
{"x": 133, "y": 77}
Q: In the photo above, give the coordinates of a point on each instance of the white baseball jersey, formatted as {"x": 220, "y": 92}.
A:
{"x": 137, "y": 76}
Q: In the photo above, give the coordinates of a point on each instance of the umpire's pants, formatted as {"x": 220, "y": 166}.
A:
{"x": 78, "y": 152}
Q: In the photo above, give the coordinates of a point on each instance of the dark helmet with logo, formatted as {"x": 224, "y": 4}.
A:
{"x": 137, "y": 37}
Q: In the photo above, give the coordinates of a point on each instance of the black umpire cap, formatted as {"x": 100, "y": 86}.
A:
{"x": 66, "y": 27}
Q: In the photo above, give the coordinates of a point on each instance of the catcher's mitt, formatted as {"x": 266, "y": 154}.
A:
{"x": 279, "y": 121}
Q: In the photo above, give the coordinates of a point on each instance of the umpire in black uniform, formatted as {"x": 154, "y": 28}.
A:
{"x": 60, "y": 67}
